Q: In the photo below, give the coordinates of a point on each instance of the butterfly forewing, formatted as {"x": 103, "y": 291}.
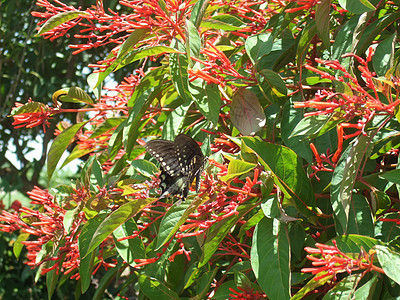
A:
{"x": 181, "y": 162}
{"x": 164, "y": 152}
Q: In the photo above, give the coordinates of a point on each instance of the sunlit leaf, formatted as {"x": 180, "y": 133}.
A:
{"x": 96, "y": 230}
{"x": 270, "y": 252}
{"x": 236, "y": 168}
{"x": 246, "y": 112}
{"x": 59, "y": 19}
{"x": 357, "y": 6}
{"x": 59, "y": 145}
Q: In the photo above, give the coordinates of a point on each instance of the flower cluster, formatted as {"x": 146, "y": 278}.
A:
{"x": 246, "y": 294}
{"x": 32, "y": 116}
{"x": 53, "y": 244}
{"x": 356, "y": 106}
{"x": 334, "y": 261}
{"x": 363, "y": 102}
{"x": 303, "y": 5}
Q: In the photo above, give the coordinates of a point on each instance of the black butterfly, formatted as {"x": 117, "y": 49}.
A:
{"x": 181, "y": 162}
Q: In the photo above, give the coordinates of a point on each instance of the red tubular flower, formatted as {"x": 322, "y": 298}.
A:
{"x": 45, "y": 222}
{"x": 32, "y": 118}
{"x": 334, "y": 261}
{"x": 360, "y": 105}
{"x": 181, "y": 251}
{"x": 204, "y": 75}
{"x": 304, "y": 5}
{"x": 246, "y": 294}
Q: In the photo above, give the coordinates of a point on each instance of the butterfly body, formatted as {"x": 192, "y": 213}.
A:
{"x": 181, "y": 161}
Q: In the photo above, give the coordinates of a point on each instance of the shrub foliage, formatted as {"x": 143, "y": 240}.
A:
{"x": 295, "y": 104}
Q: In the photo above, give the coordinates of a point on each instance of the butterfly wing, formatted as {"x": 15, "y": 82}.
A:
{"x": 164, "y": 152}
{"x": 190, "y": 158}
{"x": 186, "y": 149}
{"x": 181, "y": 162}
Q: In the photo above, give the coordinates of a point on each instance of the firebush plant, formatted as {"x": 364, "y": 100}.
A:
{"x": 295, "y": 104}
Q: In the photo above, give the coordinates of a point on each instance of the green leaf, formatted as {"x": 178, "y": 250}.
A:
{"x": 368, "y": 289}
{"x": 98, "y": 173}
{"x": 30, "y": 107}
{"x": 271, "y": 207}
{"x": 144, "y": 167}
{"x": 322, "y": 20}
{"x": 310, "y": 126}
{"x": 258, "y": 45}
{"x": 236, "y": 168}
{"x": 246, "y": 112}
{"x": 159, "y": 269}
{"x": 223, "y": 22}
{"x": 129, "y": 249}
{"x": 288, "y": 172}
{"x": 69, "y": 218}
{"x": 144, "y": 95}
{"x": 75, "y": 94}
{"x": 344, "y": 39}
{"x": 341, "y": 87}
{"x": 193, "y": 40}
{"x": 175, "y": 120}
{"x": 389, "y": 259}
{"x": 51, "y": 279}
{"x": 105, "y": 282}
{"x": 344, "y": 178}
{"x": 298, "y": 237}
{"x": 173, "y": 219}
{"x": 198, "y": 11}
{"x": 270, "y": 258}
{"x": 142, "y": 53}
{"x": 353, "y": 243}
{"x": 218, "y": 231}
{"x": 225, "y": 290}
{"x": 207, "y": 99}
{"x": 204, "y": 283}
{"x": 291, "y": 117}
{"x": 374, "y": 30}
{"x": 86, "y": 172}
{"x": 360, "y": 217}
{"x": 134, "y": 38}
{"x": 18, "y": 246}
{"x": 59, "y": 19}
{"x": 154, "y": 289}
{"x": 311, "y": 286}
{"x": 127, "y": 185}
{"x": 357, "y": 6}
{"x": 59, "y": 145}
{"x": 242, "y": 280}
{"x": 272, "y": 86}
{"x": 344, "y": 289}
{"x": 76, "y": 153}
{"x": 307, "y": 34}
{"x": 247, "y": 154}
{"x": 314, "y": 80}
{"x": 387, "y": 231}
{"x": 106, "y": 126}
{"x": 282, "y": 53}
{"x": 97, "y": 229}
{"x": 257, "y": 217}
{"x": 178, "y": 65}
{"x": 86, "y": 267}
{"x": 384, "y": 55}
{"x": 392, "y": 176}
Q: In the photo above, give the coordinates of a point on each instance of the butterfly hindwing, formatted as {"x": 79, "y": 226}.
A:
{"x": 181, "y": 162}
{"x": 186, "y": 149}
